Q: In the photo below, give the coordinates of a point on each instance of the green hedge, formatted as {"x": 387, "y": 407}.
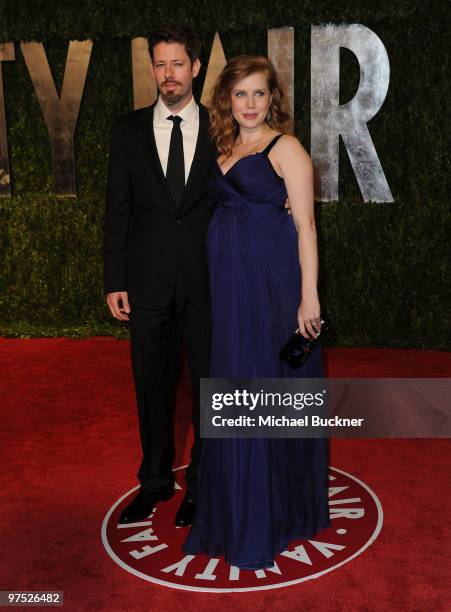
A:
{"x": 384, "y": 267}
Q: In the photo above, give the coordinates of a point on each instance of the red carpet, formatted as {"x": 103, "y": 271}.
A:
{"x": 70, "y": 448}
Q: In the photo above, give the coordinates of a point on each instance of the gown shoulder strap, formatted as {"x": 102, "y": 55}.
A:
{"x": 271, "y": 144}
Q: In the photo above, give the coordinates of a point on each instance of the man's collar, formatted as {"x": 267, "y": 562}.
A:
{"x": 188, "y": 112}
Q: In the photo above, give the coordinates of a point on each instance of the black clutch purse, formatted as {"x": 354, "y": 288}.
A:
{"x": 298, "y": 349}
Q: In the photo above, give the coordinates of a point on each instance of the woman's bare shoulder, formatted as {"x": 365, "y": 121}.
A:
{"x": 290, "y": 143}
{"x": 289, "y": 147}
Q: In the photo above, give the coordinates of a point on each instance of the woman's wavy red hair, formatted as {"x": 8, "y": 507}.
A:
{"x": 223, "y": 127}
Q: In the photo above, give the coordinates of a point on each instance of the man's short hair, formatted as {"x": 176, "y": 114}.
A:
{"x": 177, "y": 34}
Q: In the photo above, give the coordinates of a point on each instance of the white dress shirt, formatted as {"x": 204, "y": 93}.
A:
{"x": 189, "y": 126}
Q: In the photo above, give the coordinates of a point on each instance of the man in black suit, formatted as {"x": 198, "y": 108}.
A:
{"x": 155, "y": 262}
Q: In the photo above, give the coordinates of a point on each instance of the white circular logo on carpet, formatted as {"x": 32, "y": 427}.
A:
{"x": 152, "y": 549}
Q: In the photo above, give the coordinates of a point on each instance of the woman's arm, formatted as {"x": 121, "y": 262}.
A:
{"x": 296, "y": 167}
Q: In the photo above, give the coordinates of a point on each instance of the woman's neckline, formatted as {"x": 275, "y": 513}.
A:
{"x": 237, "y": 162}
{"x": 225, "y": 175}
{"x": 248, "y": 155}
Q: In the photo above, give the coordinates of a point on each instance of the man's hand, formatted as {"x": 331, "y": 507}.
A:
{"x": 287, "y": 206}
{"x": 118, "y": 305}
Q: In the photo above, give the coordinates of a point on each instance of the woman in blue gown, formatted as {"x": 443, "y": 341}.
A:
{"x": 257, "y": 495}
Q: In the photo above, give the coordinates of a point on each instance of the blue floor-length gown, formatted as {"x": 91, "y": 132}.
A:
{"x": 255, "y": 495}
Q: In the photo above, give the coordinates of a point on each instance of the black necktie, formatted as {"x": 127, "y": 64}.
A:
{"x": 175, "y": 172}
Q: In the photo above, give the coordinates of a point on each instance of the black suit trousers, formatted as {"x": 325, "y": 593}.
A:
{"x": 157, "y": 335}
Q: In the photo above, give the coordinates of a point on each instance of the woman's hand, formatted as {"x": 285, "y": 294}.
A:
{"x": 309, "y": 319}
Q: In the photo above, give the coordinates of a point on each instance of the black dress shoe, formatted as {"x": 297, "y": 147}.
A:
{"x": 142, "y": 505}
{"x": 185, "y": 513}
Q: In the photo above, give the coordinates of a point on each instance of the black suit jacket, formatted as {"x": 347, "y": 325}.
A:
{"x": 146, "y": 239}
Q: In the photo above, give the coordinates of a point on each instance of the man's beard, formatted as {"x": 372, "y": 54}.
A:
{"x": 170, "y": 99}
